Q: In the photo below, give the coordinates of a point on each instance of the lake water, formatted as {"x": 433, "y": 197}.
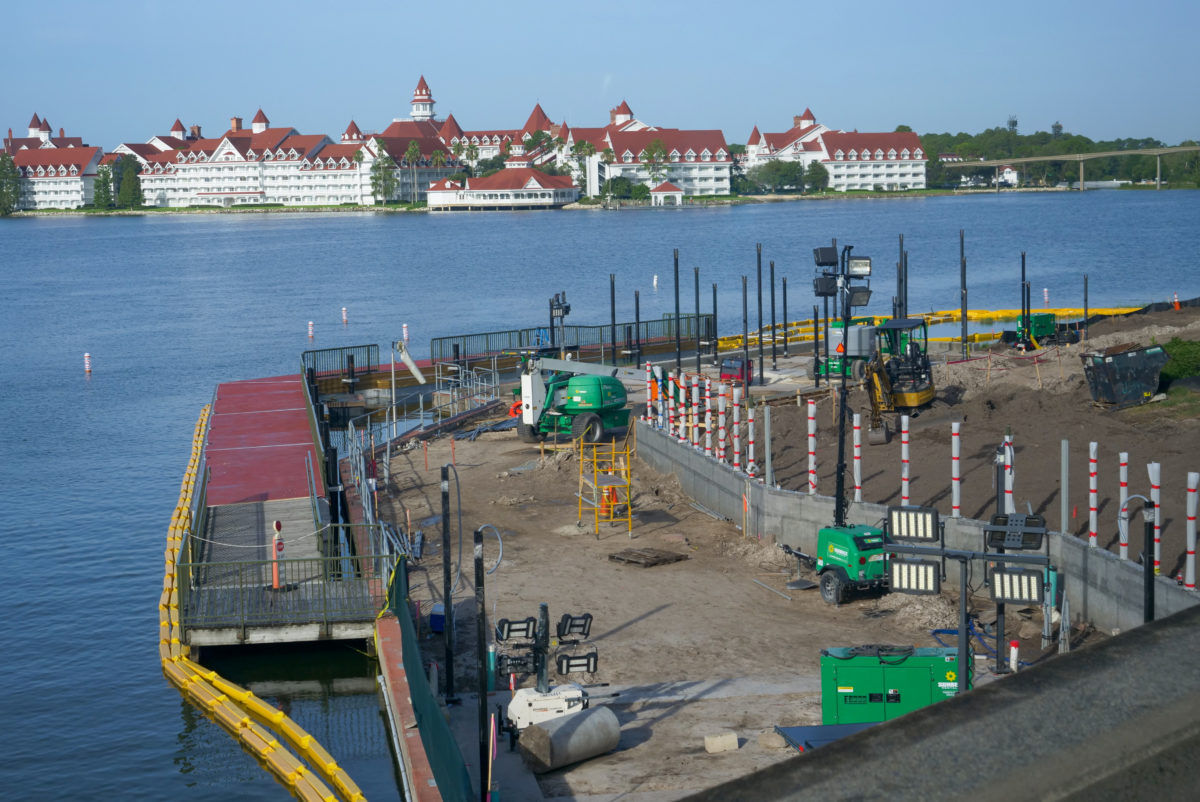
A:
{"x": 169, "y": 306}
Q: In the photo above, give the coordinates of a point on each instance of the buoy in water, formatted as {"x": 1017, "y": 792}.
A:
{"x": 310, "y": 330}
{"x": 345, "y": 320}
{"x": 87, "y": 363}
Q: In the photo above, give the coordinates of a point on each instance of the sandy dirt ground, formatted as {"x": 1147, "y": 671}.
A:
{"x": 697, "y": 647}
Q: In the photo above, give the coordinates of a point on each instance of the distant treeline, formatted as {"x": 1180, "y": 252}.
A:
{"x": 1005, "y": 142}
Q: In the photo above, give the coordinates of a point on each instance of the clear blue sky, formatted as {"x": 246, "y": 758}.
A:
{"x": 122, "y": 70}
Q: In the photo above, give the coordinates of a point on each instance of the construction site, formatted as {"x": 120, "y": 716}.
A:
{"x": 705, "y": 639}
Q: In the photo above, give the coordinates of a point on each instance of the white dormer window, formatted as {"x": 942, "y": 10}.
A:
{"x": 917, "y": 154}
{"x": 878, "y": 154}
{"x": 721, "y": 155}
{"x": 627, "y": 157}
{"x": 891, "y": 153}
{"x": 904, "y": 153}
{"x": 690, "y": 155}
{"x": 674, "y": 155}
{"x": 74, "y": 170}
{"x": 41, "y": 170}
{"x": 838, "y": 156}
{"x": 705, "y": 155}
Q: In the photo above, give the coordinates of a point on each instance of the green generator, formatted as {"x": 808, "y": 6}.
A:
{"x": 879, "y": 682}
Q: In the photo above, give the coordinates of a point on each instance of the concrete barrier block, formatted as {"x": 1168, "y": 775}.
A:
{"x": 724, "y": 741}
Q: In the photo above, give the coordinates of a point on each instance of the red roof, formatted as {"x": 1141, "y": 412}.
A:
{"x": 80, "y": 158}
{"x": 398, "y": 146}
{"x": 520, "y": 178}
{"x": 413, "y": 129}
{"x": 45, "y": 125}
{"x": 538, "y": 121}
{"x": 352, "y": 131}
{"x": 673, "y": 139}
{"x": 788, "y": 137}
{"x": 11, "y": 146}
{"x": 450, "y": 129}
{"x": 178, "y": 126}
{"x": 260, "y": 118}
{"x": 623, "y": 109}
{"x": 444, "y": 184}
{"x": 666, "y": 186}
{"x": 141, "y": 149}
{"x": 808, "y": 115}
{"x": 110, "y": 158}
{"x": 36, "y": 122}
{"x": 173, "y": 142}
{"x": 422, "y": 93}
{"x": 856, "y": 142}
{"x": 754, "y": 137}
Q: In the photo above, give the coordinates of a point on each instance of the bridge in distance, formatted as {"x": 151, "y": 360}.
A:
{"x": 1157, "y": 153}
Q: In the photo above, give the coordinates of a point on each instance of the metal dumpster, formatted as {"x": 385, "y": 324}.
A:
{"x": 1124, "y": 375}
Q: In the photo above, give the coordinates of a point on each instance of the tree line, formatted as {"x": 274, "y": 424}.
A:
{"x": 1006, "y": 142}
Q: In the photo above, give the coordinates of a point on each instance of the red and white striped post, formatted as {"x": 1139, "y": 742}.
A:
{"x": 277, "y": 555}
{"x": 955, "y": 471}
{"x": 684, "y": 412}
{"x": 1046, "y": 296}
{"x": 1092, "y": 494}
{"x": 345, "y": 318}
{"x": 751, "y": 468}
{"x": 1010, "y": 505}
{"x": 904, "y": 498}
{"x": 649, "y": 384}
{"x": 737, "y": 435}
{"x": 404, "y": 332}
{"x": 1189, "y": 565}
{"x": 1124, "y": 474}
{"x": 662, "y": 398}
{"x": 720, "y": 422}
{"x": 668, "y": 395}
{"x": 310, "y": 329}
{"x": 708, "y": 417}
{"x": 857, "y": 457}
{"x": 1155, "y": 471}
{"x": 1014, "y": 655}
{"x": 812, "y": 448}
{"x": 87, "y": 363}
{"x": 696, "y": 412}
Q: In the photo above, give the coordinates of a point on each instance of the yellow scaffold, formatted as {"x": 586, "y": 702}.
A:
{"x": 606, "y": 483}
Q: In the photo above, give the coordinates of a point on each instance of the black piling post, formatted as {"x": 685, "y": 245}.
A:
{"x": 1023, "y": 325}
{"x": 542, "y": 647}
{"x": 962, "y": 283}
{"x": 816, "y": 348}
{"x": 785, "y": 318}
{"x": 760, "y": 314}
{"x": 1148, "y": 570}
{"x": 447, "y": 604}
{"x": 774, "y": 351}
{"x": 612, "y": 309}
{"x": 715, "y": 336}
{"x": 745, "y": 329}
{"x": 481, "y": 655}
{"x": 1085, "y": 298}
{"x": 696, "y": 274}
{"x": 678, "y": 344}
{"x": 898, "y": 302}
{"x": 637, "y": 326}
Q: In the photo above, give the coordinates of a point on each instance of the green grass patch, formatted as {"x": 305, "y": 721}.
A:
{"x": 1184, "y": 360}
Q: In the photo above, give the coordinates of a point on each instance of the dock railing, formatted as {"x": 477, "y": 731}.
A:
{"x": 348, "y": 584}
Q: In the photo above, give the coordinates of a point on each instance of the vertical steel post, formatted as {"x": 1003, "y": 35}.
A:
{"x": 774, "y": 354}
{"x": 745, "y": 333}
{"x": 785, "y": 317}
{"x": 612, "y": 309}
{"x": 715, "y": 335}
{"x": 964, "y": 665}
{"x": 760, "y": 314}
{"x": 1148, "y": 567}
{"x": 637, "y": 326}
{"x": 962, "y": 288}
{"x": 816, "y": 348}
{"x": 678, "y": 344}
{"x": 1001, "y": 457}
{"x": 1064, "y": 492}
{"x": 696, "y": 274}
{"x": 447, "y": 602}
{"x": 901, "y": 312}
{"x": 770, "y": 475}
{"x": 542, "y": 647}
{"x": 482, "y": 656}
{"x": 1085, "y": 306}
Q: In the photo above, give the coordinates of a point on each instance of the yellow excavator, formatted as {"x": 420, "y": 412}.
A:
{"x": 901, "y": 381}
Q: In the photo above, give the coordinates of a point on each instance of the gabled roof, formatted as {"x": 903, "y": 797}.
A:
{"x": 422, "y": 92}
{"x": 808, "y": 115}
{"x": 755, "y": 136}
{"x": 520, "y": 178}
{"x": 141, "y": 149}
{"x": 352, "y": 131}
{"x": 538, "y": 121}
{"x": 304, "y": 144}
{"x": 450, "y": 129}
{"x": 178, "y": 126}
{"x": 666, "y": 186}
{"x": 696, "y": 141}
{"x": 789, "y": 137}
{"x": 173, "y": 142}
{"x": 36, "y": 122}
{"x": 856, "y": 142}
{"x": 623, "y": 109}
{"x": 444, "y": 184}
{"x": 413, "y": 129}
{"x": 398, "y": 146}
{"x": 80, "y": 158}
{"x": 260, "y": 118}
{"x": 112, "y": 158}
{"x": 16, "y": 143}
{"x": 45, "y": 125}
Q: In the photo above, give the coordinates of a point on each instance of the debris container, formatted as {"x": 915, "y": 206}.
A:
{"x": 1124, "y": 375}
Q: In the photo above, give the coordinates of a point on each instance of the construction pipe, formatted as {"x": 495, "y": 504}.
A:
{"x": 668, "y": 395}
{"x": 696, "y": 412}
{"x": 955, "y": 471}
{"x": 769, "y": 474}
{"x": 720, "y": 422}
{"x": 1010, "y": 506}
{"x": 662, "y": 397}
{"x": 812, "y": 448}
{"x": 857, "y": 457}
{"x": 1124, "y": 534}
{"x": 1189, "y": 568}
{"x": 904, "y": 484}
{"x": 751, "y": 468}
{"x": 707, "y": 417}
{"x": 569, "y": 739}
{"x": 648, "y": 393}
{"x": 737, "y": 435}
{"x": 1092, "y": 494}
{"x": 1155, "y": 471}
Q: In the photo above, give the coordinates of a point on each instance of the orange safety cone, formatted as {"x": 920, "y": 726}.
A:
{"x": 1176, "y": 302}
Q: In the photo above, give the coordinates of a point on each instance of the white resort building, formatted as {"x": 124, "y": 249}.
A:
{"x": 888, "y": 161}
{"x": 56, "y": 172}
{"x": 509, "y": 189}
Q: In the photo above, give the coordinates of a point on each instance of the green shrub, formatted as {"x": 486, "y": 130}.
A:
{"x": 1184, "y": 360}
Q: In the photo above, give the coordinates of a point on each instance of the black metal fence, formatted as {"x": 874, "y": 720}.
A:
{"x": 332, "y": 361}
{"x": 692, "y": 330}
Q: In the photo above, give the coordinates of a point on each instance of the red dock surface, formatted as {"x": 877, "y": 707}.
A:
{"x": 259, "y": 434}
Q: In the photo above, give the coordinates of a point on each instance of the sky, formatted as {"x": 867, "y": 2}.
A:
{"x": 123, "y": 71}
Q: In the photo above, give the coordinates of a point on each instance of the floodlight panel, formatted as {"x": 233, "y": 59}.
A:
{"x": 913, "y": 523}
{"x": 826, "y": 256}
{"x": 579, "y": 625}
{"x": 858, "y": 266}
{"x": 515, "y": 664}
{"x": 860, "y": 296}
{"x": 507, "y": 630}
{"x": 918, "y": 577}
{"x": 1017, "y": 585}
{"x": 576, "y": 663}
{"x": 1016, "y": 531}
{"x": 825, "y": 286}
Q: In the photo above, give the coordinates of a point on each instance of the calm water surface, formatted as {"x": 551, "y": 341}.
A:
{"x": 169, "y": 306}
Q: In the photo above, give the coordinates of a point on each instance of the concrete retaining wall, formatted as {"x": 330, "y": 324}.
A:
{"x": 1103, "y": 589}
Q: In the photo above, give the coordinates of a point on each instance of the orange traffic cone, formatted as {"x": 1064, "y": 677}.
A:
{"x": 1176, "y": 302}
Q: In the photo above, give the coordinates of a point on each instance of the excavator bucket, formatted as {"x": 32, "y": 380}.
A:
{"x": 880, "y": 435}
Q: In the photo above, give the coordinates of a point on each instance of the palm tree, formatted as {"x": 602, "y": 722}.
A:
{"x": 457, "y": 150}
{"x": 411, "y": 155}
{"x": 437, "y": 159}
{"x": 472, "y": 156}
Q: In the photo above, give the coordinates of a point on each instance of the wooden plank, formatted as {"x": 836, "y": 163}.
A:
{"x": 647, "y": 558}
